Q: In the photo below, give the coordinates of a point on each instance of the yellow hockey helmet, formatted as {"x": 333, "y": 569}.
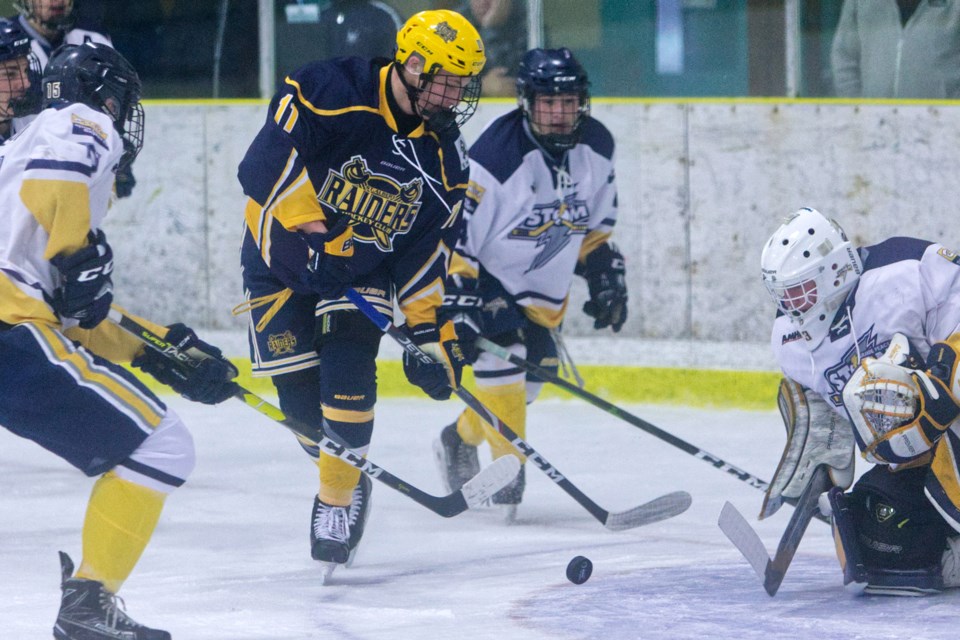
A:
{"x": 444, "y": 40}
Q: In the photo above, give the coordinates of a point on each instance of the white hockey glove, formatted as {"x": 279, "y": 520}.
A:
{"x": 899, "y": 412}
{"x": 816, "y": 434}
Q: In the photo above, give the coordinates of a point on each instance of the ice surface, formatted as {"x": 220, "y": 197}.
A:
{"x": 230, "y": 559}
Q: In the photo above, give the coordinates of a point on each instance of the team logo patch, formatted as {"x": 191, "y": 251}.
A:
{"x": 446, "y": 32}
{"x": 552, "y": 226}
{"x": 282, "y": 343}
{"x": 947, "y": 254}
{"x": 868, "y": 346}
{"x": 377, "y": 201}
{"x": 88, "y": 127}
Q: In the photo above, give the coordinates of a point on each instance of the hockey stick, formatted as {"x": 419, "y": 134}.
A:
{"x": 745, "y": 538}
{"x": 474, "y": 493}
{"x": 640, "y": 423}
{"x": 661, "y": 508}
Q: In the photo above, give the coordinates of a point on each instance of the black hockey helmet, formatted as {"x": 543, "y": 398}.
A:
{"x": 99, "y": 77}
{"x": 14, "y": 45}
{"x": 553, "y": 72}
{"x": 29, "y": 9}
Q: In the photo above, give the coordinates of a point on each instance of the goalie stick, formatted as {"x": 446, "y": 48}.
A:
{"x": 745, "y": 538}
{"x": 666, "y": 506}
{"x": 474, "y": 492}
{"x": 626, "y": 416}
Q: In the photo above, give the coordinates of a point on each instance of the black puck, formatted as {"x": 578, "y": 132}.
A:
{"x": 579, "y": 570}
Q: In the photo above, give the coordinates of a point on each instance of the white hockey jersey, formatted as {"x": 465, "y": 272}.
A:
{"x": 56, "y": 184}
{"x": 529, "y": 220}
{"x": 908, "y": 286}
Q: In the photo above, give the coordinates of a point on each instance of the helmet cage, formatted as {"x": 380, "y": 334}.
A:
{"x": 541, "y": 123}
{"x": 28, "y": 9}
{"x": 434, "y": 88}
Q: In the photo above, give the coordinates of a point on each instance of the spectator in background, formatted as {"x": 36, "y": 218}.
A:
{"x": 897, "y": 49}
{"x": 503, "y": 26}
{"x": 362, "y": 28}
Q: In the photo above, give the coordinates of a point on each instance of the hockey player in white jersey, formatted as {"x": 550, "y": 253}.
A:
{"x": 19, "y": 77}
{"x": 51, "y": 24}
{"x": 541, "y": 206}
{"x": 60, "y": 382}
{"x": 867, "y": 340}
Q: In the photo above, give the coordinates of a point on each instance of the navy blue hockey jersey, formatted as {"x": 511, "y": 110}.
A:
{"x": 331, "y": 148}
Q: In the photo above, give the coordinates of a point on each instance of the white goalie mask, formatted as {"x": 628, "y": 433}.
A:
{"x": 808, "y": 267}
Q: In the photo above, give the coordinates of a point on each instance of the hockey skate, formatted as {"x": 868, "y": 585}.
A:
{"x": 335, "y": 532}
{"x": 456, "y": 460}
{"x": 90, "y": 612}
{"x": 510, "y": 496}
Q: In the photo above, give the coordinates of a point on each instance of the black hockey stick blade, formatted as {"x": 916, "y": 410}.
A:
{"x": 621, "y": 520}
{"x": 662, "y": 508}
{"x": 772, "y": 570}
{"x": 475, "y": 492}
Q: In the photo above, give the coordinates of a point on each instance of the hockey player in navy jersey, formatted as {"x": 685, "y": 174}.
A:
{"x": 541, "y": 207}
{"x": 867, "y": 340}
{"x": 356, "y": 180}
{"x": 61, "y": 384}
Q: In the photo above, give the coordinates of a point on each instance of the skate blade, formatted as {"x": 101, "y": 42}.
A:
{"x": 326, "y": 571}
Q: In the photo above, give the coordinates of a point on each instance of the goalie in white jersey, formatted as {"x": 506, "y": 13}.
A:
{"x": 541, "y": 206}
{"x": 867, "y": 339}
{"x": 60, "y": 382}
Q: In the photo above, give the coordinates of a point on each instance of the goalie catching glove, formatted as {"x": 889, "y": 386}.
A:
{"x": 439, "y": 378}
{"x": 900, "y": 412}
{"x": 208, "y": 379}
{"x": 604, "y": 270}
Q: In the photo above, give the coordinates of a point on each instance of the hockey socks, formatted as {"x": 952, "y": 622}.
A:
{"x": 121, "y": 517}
{"x": 509, "y": 403}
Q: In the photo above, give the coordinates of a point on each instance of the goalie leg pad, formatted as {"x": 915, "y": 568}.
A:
{"x": 816, "y": 434}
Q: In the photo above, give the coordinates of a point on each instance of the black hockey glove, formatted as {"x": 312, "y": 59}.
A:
{"x": 439, "y": 378}
{"x": 604, "y": 271}
{"x": 125, "y": 182}
{"x": 330, "y": 269}
{"x": 463, "y": 305}
{"x": 209, "y": 381}
{"x": 86, "y": 290}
